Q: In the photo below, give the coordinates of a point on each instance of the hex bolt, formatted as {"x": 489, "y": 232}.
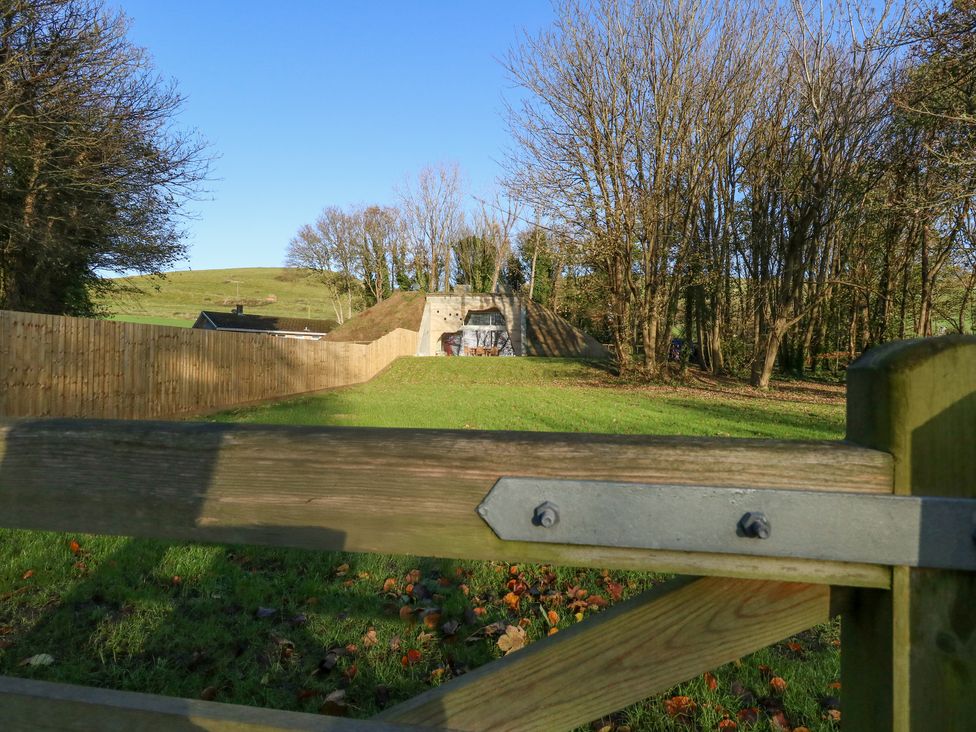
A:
{"x": 755, "y": 525}
{"x": 546, "y": 515}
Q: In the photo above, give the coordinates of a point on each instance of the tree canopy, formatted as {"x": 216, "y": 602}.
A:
{"x": 93, "y": 175}
{"x": 782, "y": 184}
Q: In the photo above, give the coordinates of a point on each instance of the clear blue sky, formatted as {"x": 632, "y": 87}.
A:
{"x": 316, "y": 103}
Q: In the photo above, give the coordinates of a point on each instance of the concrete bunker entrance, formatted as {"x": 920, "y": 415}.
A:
{"x": 484, "y": 333}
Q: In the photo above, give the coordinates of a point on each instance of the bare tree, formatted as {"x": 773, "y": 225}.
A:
{"x": 496, "y": 223}
{"x": 379, "y": 236}
{"x": 827, "y": 123}
{"x": 433, "y": 217}
{"x": 331, "y": 248}
{"x": 626, "y": 106}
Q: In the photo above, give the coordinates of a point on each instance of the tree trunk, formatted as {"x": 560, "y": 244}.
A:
{"x": 924, "y": 326}
{"x": 762, "y": 369}
{"x": 535, "y": 255}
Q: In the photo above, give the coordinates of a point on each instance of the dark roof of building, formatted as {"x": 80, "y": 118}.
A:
{"x": 263, "y": 323}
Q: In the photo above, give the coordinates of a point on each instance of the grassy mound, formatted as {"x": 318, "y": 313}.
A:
{"x": 400, "y": 310}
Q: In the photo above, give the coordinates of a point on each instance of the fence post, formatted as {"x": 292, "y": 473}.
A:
{"x": 909, "y": 656}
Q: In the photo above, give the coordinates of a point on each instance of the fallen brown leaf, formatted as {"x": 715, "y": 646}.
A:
{"x": 335, "y": 704}
{"x": 450, "y": 628}
{"x": 779, "y": 720}
{"x": 749, "y": 715}
{"x": 680, "y": 707}
{"x": 512, "y": 601}
{"x": 413, "y": 656}
{"x": 512, "y": 640}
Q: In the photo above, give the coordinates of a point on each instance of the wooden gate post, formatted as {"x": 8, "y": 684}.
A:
{"x": 909, "y": 656}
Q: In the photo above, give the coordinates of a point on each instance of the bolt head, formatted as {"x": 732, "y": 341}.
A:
{"x": 755, "y": 525}
{"x": 546, "y": 515}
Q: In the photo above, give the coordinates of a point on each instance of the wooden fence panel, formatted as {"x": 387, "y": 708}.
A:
{"x": 52, "y": 366}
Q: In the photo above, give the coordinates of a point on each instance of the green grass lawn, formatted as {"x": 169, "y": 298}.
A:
{"x": 154, "y": 320}
{"x": 345, "y": 633}
{"x": 545, "y": 395}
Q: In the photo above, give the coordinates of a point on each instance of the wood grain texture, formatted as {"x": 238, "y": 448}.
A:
{"x": 644, "y": 646}
{"x": 909, "y": 659}
{"x": 79, "y": 367}
{"x": 33, "y": 706}
{"x": 389, "y": 490}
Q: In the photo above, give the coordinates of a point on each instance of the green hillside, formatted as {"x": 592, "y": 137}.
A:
{"x": 180, "y": 296}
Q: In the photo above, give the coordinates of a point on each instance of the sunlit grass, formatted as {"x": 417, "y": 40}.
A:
{"x": 542, "y": 395}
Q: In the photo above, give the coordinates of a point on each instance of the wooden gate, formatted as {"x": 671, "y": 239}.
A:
{"x": 909, "y": 633}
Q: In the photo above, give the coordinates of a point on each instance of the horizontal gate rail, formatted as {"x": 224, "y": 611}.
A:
{"x": 37, "y": 706}
{"x": 392, "y": 490}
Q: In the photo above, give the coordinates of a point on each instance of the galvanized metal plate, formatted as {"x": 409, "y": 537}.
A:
{"x": 846, "y": 527}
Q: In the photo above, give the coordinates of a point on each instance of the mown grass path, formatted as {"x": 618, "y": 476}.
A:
{"x": 290, "y": 628}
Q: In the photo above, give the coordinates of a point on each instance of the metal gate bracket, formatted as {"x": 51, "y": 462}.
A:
{"x": 847, "y": 527}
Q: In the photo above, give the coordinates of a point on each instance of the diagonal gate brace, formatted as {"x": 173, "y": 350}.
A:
{"x": 917, "y": 531}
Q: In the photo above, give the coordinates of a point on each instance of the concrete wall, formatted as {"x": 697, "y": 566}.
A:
{"x": 445, "y": 314}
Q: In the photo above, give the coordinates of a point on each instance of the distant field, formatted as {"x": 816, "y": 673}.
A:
{"x": 150, "y": 320}
{"x": 178, "y": 298}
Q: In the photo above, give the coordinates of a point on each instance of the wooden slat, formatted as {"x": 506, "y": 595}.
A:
{"x": 28, "y": 706}
{"x": 645, "y": 646}
{"x": 389, "y": 490}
